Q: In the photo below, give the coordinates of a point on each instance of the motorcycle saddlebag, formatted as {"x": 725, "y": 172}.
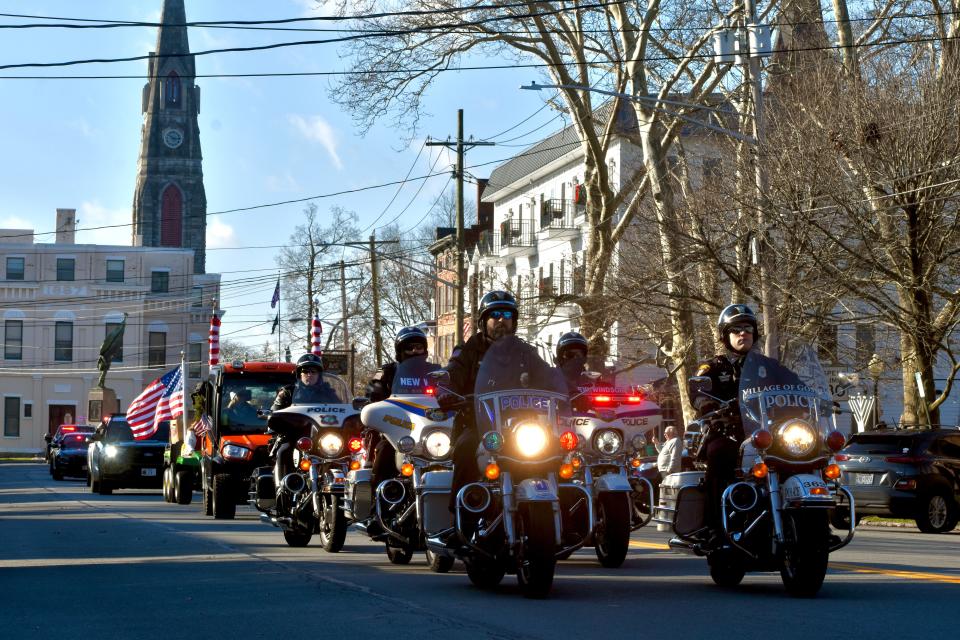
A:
{"x": 683, "y": 501}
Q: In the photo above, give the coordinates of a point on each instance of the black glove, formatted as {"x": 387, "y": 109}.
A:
{"x": 448, "y": 400}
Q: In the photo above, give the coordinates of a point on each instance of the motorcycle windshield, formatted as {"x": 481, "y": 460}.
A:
{"x": 773, "y": 393}
{"x": 329, "y": 389}
{"x": 515, "y": 383}
{"x": 411, "y": 377}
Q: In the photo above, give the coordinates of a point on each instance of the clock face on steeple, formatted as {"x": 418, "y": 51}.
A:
{"x": 172, "y": 137}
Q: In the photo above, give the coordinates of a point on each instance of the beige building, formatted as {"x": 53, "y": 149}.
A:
{"x": 59, "y": 300}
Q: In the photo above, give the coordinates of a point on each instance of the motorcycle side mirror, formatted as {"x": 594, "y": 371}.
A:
{"x": 592, "y": 375}
{"x": 701, "y": 384}
{"x": 440, "y": 375}
{"x": 360, "y": 402}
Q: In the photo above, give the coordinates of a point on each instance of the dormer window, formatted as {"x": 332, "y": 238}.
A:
{"x": 171, "y": 90}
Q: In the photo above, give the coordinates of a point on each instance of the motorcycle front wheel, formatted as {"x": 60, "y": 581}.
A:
{"x": 613, "y": 529}
{"x": 297, "y": 538}
{"x": 536, "y": 532}
{"x": 333, "y": 525}
{"x": 485, "y": 574}
{"x": 805, "y": 554}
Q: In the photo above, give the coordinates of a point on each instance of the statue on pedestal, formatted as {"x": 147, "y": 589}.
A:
{"x": 112, "y": 345}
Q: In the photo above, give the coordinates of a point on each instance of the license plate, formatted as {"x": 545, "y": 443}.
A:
{"x": 148, "y": 472}
{"x": 862, "y": 478}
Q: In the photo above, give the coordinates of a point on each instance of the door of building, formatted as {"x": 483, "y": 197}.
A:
{"x": 61, "y": 414}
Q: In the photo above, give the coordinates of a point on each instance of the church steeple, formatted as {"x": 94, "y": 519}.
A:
{"x": 170, "y": 205}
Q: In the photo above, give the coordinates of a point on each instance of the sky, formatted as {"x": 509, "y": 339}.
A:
{"x": 75, "y": 143}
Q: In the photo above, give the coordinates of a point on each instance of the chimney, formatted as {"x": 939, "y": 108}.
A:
{"x": 66, "y": 226}
{"x": 484, "y": 209}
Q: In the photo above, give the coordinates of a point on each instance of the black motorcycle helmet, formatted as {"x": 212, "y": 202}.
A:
{"x": 569, "y": 340}
{"x": 733, "y": 315}
{"x": 493, "y": 300}
{"x": 308, "y": 360}
{"x": 408, "y": 335}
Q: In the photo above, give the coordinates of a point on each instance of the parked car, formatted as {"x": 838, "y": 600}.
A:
{"x": 68, "y": 457}
{"x": 62, "y": 430}
{"x": 117, "y": 461}
{"x": 904, "y": 473}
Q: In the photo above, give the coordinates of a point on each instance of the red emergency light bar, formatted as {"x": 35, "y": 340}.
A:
{"x": 430, "y": 391}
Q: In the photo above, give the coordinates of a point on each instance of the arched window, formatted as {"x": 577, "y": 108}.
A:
{"x": 171, "y": 217}
{"x": 171, "y": 90}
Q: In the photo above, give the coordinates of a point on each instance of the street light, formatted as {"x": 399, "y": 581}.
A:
{"x": 875, "y": 367}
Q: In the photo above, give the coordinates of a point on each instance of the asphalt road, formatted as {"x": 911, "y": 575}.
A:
{"x": 73, "y": 564}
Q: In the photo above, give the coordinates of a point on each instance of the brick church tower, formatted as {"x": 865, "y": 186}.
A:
{"x": 170, "y": 205}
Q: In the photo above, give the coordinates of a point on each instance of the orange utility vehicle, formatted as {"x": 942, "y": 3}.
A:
{"x": 235, "y": 398}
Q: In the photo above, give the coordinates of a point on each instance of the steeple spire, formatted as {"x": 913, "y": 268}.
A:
{"x": 170, "y": 205}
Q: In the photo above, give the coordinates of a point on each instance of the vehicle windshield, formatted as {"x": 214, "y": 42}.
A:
{"x": 76, "y": 441}
{"x": 514, "y": 382}
{"x": 772, "y": 392}
{"x": 330, "y": 389}
{"x": 245, "y": 394}
{"x": 411, "y": 376}
{"x": 119, "y": 431}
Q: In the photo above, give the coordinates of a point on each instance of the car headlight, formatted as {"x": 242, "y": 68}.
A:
{"x": 608, "y": 442}
{"x": 331, "y": 444}
{"x": 798, "y": 437}
{"x": 110, "y": 451}
{"x": 234, "y": 452}
{"x": 531, "y": 438}
{"x": 437, "y": 444}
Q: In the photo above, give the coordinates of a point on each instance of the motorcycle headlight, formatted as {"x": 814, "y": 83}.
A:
{"x": 797, "y": 437}
{"x": 531, "y": 438}
{"x": 437, "y": 444}
{"x": 608, "y": 442}
{"x": 110, "y": 451}
{"x": 330, "y": 444}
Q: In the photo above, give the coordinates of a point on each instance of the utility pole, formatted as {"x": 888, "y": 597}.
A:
{"x": 461, "y": 240}
{"x": 375, "y": 284}
{"x": 343, "y": 306}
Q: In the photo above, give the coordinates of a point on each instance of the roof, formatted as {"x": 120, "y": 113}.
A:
{"x": 260, "y": 367}
{"x": 556, "y": 146}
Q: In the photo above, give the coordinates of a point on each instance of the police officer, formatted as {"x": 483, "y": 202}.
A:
{"x": 498, "y": 318}
{"x": 738, "y": 331}
{"x": 309, "y": 385}
{"x": 572, "y": 350}
{"x": 409, "y": 342}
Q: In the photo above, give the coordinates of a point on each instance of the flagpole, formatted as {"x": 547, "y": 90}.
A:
{"x": 279, "y": 307}
{"x": 183, "y": 378}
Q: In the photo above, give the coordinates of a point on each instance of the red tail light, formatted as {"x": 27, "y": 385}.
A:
{"x": 430, "y": 391}
{"x": 841, "y": 457}
{"x": 304, "y": 444}
{"x": 69, "y": 429}
{"x": 568, "y": 440}
{"x": 354, "y": 444}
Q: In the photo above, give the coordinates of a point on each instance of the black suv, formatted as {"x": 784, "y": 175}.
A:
{"x": 117, "y": 460}
{"x": 905, "y": 473}
{"x": 68, "y": 455}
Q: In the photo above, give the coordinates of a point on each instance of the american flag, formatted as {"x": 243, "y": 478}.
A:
{"x": 202, "y": 425}
{"x": 276, "y": 295}
{"x": 316, "y": 330}
{"x": 161, "y": 400}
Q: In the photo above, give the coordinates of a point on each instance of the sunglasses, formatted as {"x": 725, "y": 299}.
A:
{"x": 506, "y": 315}
{"x": 414, "y": 348}
{"x": 745, "y": 328}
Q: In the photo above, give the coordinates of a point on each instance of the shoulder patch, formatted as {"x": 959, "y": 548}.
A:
{"x": 703, "y": 370}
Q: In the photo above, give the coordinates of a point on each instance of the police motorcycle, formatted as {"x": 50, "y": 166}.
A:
{"x": 608, "y": 446}
{"x": 510, "y": 521}
{"x": 776, "y": 515}
{"x": 407, "y": 508}
{"x": 301, "y": 493}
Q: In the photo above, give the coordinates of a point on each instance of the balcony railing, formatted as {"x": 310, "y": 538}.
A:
{"x": 558, "y": 214}
{"x": 516, "y": 233}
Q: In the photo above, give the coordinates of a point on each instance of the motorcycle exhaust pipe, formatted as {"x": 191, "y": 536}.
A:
{"x": 392, "y": 491}
{"x": 475, "y": 498}
{"x": 293, "y": 483}
{"x": 743, "y": 496}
